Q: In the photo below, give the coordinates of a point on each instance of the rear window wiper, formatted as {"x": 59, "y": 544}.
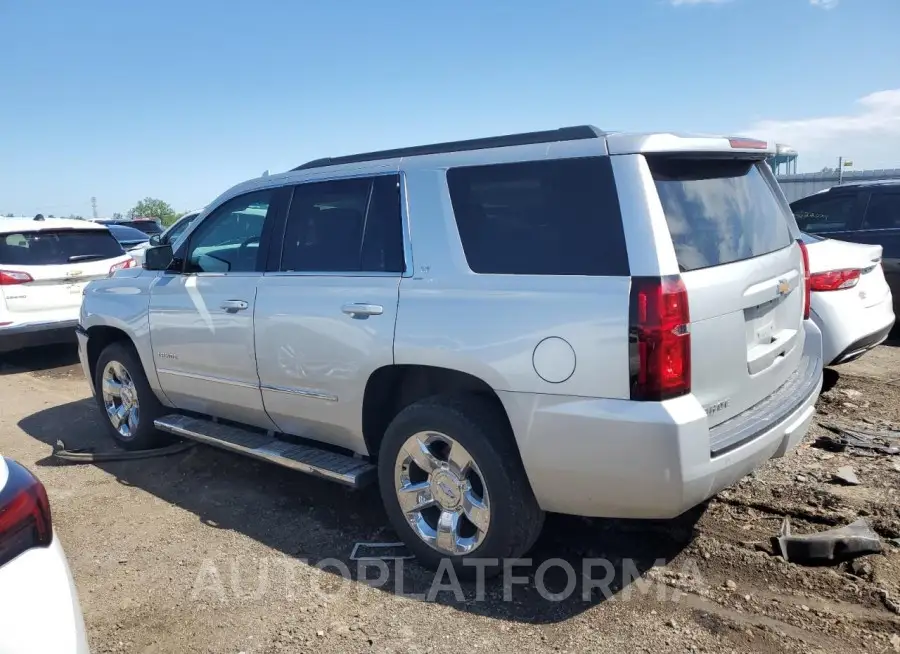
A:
{"x": 86, "y": 257}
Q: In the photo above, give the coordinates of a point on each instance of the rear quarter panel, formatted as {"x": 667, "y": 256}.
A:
{"x": 490, "y": 325}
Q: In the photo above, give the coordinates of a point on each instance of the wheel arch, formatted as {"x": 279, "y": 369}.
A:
{"x": 392, "y": 388}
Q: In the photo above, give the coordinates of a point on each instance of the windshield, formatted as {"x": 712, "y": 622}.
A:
{"x": 54, "y": 247}
{"x": 176, "y": 230}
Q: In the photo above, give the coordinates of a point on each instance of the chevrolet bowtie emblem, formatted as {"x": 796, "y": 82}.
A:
{"x": 783, "y": 287}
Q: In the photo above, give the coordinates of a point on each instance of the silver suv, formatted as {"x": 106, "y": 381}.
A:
{"x": 574, "y": 321}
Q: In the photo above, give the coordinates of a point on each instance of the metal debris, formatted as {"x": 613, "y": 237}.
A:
{"x": 846, "y": 476}
{"x": 827, "y": 547}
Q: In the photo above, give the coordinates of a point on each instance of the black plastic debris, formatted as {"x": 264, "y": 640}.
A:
{"x": 846, "y": 476}
{"x": 861, "y": 442}
{"x": 827, "y": 547}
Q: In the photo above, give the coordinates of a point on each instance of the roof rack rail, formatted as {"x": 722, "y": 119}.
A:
{"x": 576, "y": 133}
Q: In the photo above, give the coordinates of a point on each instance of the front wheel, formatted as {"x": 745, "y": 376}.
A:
{"x": 128, "y": 403}
{"x": 454, "y": 486}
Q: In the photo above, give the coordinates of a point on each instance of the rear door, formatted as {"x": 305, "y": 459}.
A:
{"x": 881, "y": 226}
{"x": 732, "y": 234}
{"x": 325, "y": 311}
{"x": 45, "y": 271}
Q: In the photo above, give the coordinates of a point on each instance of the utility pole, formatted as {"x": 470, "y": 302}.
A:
{"x": 94, "y": 207}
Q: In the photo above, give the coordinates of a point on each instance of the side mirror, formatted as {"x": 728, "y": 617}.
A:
{"x": 158, "y": 257}
{"x": 154, "y": 240}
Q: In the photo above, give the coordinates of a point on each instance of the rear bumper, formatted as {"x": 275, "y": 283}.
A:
{"x": 16, "y": 337}
{"x": 863, "y": 345}
{"x": 615, "y": 458}
{"x": 848, "y": 330}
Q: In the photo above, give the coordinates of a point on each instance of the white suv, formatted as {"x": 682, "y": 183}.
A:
{"x": 571, "y": 321}
{"x": 44, "y": 267}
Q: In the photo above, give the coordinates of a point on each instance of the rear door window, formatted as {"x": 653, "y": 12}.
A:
{"x": 57, "y": 247}
{"x": 825, "y": 214}
{"x": 719, "y": 211}
{"x": 347, "y": 225}
{"x": 558, "y": 217}
{"x": 883, "y": 212}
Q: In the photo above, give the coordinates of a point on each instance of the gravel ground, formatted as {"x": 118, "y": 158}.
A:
{"x": 206, "y": 551}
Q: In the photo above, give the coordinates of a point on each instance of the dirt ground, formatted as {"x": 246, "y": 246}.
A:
{"x": 206, "y": 551}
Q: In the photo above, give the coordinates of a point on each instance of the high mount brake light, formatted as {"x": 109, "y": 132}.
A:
{"x": 747, "y": 144}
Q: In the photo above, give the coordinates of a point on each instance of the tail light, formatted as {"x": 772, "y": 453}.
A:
{"x": 24, "y": 514}
{"x": 11, "y": 277}
{"x": 834, "y": 280}
{"x": 659, "y": 338}
{"x": 122, "y": 265}
{"x": 806, "y": 279}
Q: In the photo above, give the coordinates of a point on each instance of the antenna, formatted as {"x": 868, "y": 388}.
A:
{"x": 94, "y": 207}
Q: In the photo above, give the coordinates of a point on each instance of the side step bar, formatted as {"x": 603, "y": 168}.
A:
{"x": 343, "y": 469}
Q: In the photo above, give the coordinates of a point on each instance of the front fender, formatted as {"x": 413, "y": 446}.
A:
{"x": 122, "y": 302}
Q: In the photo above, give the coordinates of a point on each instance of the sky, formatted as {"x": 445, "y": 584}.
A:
{"x": 181, "y": 99}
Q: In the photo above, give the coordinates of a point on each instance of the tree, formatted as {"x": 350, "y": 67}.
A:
{"x": 10, "y": 215}
{"x": 117, "y": 216}
{"x": 154, "y": 208}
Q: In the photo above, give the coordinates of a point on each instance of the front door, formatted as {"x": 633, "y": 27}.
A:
{"x": 201, "y": 317}
{"x": 326, "y": 310}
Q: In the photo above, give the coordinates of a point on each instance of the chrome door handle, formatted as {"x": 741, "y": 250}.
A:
{"x": 362, "y": 310}
{"x": 232, "y": 306}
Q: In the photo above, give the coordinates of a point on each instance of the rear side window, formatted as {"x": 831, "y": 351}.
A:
{"x": 558, "y": 217}
{"x": 348, "y": 225}
{"x": 825, "y": 214}
{"x": 883, "y": 211}
{"x": 719, "y": 211}
{"x": 55, "y": 247}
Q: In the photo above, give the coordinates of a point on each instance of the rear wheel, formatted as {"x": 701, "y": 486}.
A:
{"x": 453, "y": 484}
{"x": 128, "y": 403}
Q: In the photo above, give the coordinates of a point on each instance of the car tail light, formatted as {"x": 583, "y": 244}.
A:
{"x": 806, "y": 280}
{"x": 11, "y": 277}
{"x": 659, "y": 338}
{"x": 834, "y": 280}
{"x": 122, "y": 265}
{"x": 24, "y": 513}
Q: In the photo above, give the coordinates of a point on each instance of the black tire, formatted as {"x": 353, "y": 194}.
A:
{"x": 145, "y": 436}
{"x": 480, "y": 427}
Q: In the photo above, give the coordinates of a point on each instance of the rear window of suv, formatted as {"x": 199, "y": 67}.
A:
{"x": 558, "y": 217}
{"x": 719, "y": 211}
{"x": 54, "y": 247}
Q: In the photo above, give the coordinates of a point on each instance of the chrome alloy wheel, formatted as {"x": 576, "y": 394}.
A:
{"x": 120, "y": 399}
{"x": 442, "y": 493}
